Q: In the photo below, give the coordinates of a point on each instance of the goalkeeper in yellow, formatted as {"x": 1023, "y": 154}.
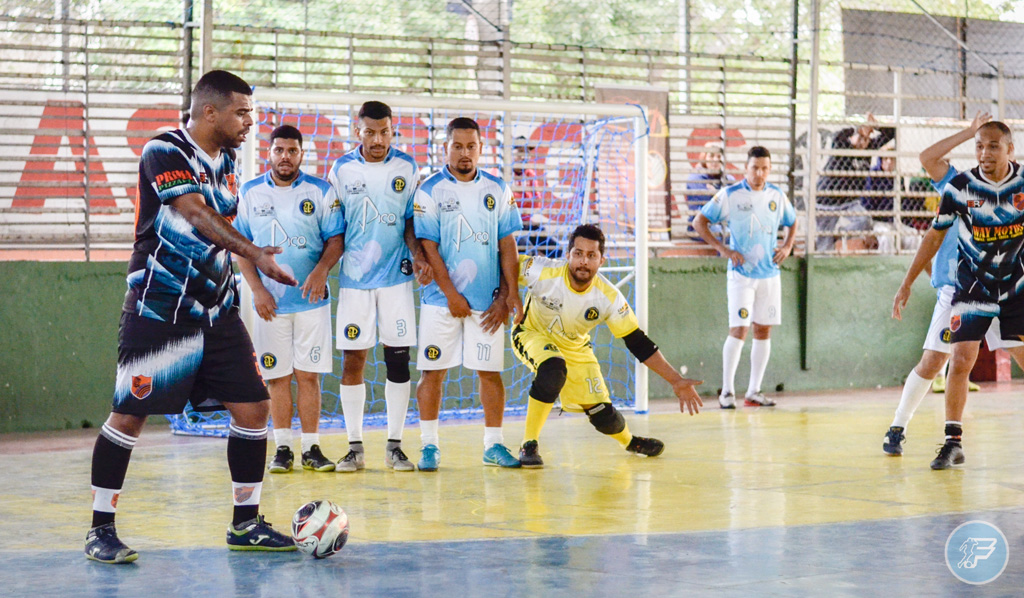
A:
{"x": 566, "y": 299}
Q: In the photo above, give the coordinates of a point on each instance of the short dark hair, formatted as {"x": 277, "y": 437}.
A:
{"x": 286, "y": 132}
{"x": 215, "y": 88}
{"x": 375, "y": 110}
{"x": 461, "y": 122}
{"x": 999, "y": 126}
{"x": 588, "y": 231}
{"x": 758, "y": 151}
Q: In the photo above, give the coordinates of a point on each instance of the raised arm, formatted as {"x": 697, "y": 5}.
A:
{"x": 934, "y": 159}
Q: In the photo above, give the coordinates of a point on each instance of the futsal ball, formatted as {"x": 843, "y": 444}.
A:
{"x": 320, "y": 528}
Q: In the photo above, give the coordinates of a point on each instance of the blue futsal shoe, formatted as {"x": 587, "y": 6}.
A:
{"x": 498, "y": 455}
{"x": 103, "y": 545}
{"x": 257, "y": 534}
{"x": 430, "y": 458}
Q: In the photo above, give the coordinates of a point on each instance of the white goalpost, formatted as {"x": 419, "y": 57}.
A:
{"x": 567, "y": 163}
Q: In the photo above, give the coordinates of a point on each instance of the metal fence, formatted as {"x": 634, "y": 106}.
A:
{"x": 79, "y": 98}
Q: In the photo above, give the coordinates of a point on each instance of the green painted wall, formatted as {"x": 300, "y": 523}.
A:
{"x": 58, "y": 332}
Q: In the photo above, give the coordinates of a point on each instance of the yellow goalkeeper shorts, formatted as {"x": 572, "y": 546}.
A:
{"x": 584, "y": 384}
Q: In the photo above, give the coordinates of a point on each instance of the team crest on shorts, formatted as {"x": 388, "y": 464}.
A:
{"x": 432, "y": 352}
{"x": 398, "y": 184}
{"x": 946, "y": 336}
{"x": 268, "y": 360}
{"x": 307, "y": 207}
{"x": 591, "y": 314}
{"x": 490, "y": 202}
{"x": 954, "y": 323}
{"x": 406, "y": 266}
{"x": 772, "y": 205}
{"x": 352, "y": 332}
{"x": 744, "y": 313}
{"x": 142, "y": 386}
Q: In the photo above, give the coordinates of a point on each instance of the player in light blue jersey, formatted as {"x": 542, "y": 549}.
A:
{"x": 466, "y": 219}
{"x": 287, "y": 208}
{"x": 375, "y": 183}
{"x": 752, "y": 211}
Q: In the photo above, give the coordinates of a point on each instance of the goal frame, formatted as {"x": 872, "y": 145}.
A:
{"x": 634, "y": 111}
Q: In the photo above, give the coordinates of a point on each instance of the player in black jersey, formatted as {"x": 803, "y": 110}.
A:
{"x": 181, "y": 339}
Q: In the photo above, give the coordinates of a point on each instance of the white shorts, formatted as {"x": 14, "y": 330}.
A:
{"x": 300, "y": 341}
{"x": 447, "y": 341}
{"x": 757, "y": 300}
{"x": 363, "y": 313}
{"x": 939, "y": 333}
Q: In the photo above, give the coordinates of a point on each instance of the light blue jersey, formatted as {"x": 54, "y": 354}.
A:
{"x": 298, "y": 218}
{"x": 944, "y": 264}
{"x": 753, "y": 219}
{"x": 466, "y": 220}
{"x": 376, "y": 200}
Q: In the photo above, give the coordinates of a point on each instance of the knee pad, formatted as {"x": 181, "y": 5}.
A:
{"x": 606, "y": 418}
{"x": 549, "y": 380}
{"x": 397, "y": 361}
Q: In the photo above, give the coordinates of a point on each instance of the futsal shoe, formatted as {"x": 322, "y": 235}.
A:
{"x": 727, "y": 400}
{"x": 103, "y": 545}
{"x": 395, "y": 458}
{"x": 282, "y": 461}
{"x": 758, "y": 400}
{"x": 950, "y": 454}
{"x": 939, "y": 384}
{"x": 648, "y": 447}
{"x": 972, "y": 387}
{"x": 257, "y": 534}
{"x": 430, "y": 458}
{"x": 498, "y": 455}
{"x": 529, "y": 455}
{"x": 352, "y": 461}
{"x": 893, "y": 442}
{"x": 314, "y": 459}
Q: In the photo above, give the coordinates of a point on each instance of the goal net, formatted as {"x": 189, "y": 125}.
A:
{"x": 567, "y": 164}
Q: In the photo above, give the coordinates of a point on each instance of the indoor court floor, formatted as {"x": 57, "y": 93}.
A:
{"x": 798, "y": 500}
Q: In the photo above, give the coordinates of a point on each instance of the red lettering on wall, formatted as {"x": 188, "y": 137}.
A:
{"x": 60, "y": 120}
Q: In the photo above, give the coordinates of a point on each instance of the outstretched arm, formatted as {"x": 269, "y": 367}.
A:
{"x": 644, "y": 349}
{"x": 933, "y": 158}
{"x": 216, "y": 228}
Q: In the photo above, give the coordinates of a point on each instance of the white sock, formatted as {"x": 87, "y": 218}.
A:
{"x": 396, "y": 395}
{"x": 428, "y": 432}
{"x": 353, "y": 398}
{"x": 309, "y": 440}
{"x": 913, "y": 393}
{"x": 493, "y": 436}
{"x": 730, "y": 361}
{"x": 760, "y": 350}
{"x": 283, "y": 437}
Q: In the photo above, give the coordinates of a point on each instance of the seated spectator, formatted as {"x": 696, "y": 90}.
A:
{"x": 528, "y": 190}
{"x": 701, "y": 186}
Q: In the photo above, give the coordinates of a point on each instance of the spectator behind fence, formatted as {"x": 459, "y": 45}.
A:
{"x": 834, "y": 190}
{"x": 701, "y": 186}
{"x": 528, "y": 190}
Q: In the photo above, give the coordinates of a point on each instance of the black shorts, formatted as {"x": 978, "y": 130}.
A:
{"x": 970, "y": 318}
{"x": 163, "y": 366}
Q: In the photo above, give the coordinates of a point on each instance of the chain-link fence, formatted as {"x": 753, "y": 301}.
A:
{"x": 87, "y": 82}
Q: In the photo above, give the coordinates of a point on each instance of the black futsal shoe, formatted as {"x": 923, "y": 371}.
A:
{"x": 893, "y": 442}
{"x": 282, "y": 461}
{"x": 103, "y": 545}
{"x": 315, "y": 460}
{"x": 529, "y": 455}
{"x": 950, "y": 454}
{"x": 648, "y": 447}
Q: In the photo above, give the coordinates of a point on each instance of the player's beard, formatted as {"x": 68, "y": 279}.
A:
{"x": 294, "y": 174}
{"x": 573, "y": 272}
{"x": 459, "y": 168}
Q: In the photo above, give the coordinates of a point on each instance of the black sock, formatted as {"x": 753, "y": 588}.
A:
{"x": 954, "y": 433}
{"x": 109, "y": 466}
{"x": 245, "y": 460}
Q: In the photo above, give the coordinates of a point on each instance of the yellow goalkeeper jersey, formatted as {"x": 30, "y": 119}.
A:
{"x": 567, "y": 316}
